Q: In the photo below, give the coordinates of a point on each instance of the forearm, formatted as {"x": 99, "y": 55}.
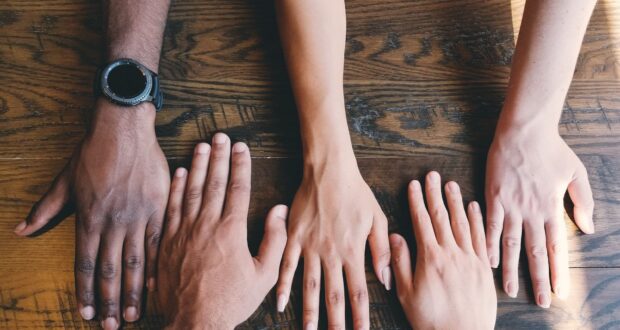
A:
{"x": 543, "y": 64}
{"x": 313, "y": 37}
{"x": 134, "y": 29}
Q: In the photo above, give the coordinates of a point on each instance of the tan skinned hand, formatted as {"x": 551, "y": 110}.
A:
{"x": 452, "y": 286}
{"x": 207, "y": 276}
{"x": 526, "y": 180}
{"x": 332, "y": 216}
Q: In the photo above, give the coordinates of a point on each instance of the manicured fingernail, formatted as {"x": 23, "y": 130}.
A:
{"x": 239, "y": 147}
{"x": 202, "y": 148}
{"x": 219, "y": 138}
{"x": 511, "y": 289}
{"x": 433, "y": 176}
{"x": 131, "y": 314}
{"x": 309, "y": 326}
{"x": 21, "y": 226}
{"x": 87, "y": 312}
{"x": 180, "y": 172}
{"x": 543, "y": 300}
{"x": 386, "y": 275}
{"x": 150, "y": 284}
{"x": 109, "y": 323}
{"x": 494, "y": 261}
{"x": 282, "y": 300}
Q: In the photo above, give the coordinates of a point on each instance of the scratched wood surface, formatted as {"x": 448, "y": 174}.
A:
{"x": 424, "y": 84}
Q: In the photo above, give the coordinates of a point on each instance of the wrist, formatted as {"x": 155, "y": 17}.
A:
{"x": 198, "y": 321}
{"x": 517, "y": 122}
{"x": 109, "y": 118}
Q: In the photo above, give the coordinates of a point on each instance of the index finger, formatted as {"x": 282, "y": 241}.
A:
{"x": 422, "y": 227}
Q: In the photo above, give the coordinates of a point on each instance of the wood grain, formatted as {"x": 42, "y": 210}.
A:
{"x": 424, "y": 83}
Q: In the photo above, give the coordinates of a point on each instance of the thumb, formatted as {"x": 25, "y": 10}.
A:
{"x": 48, "y": 206}
{"x": 272, "y": 247}
{"x": 380, "y": 249}
{"x": 581, "y": 194}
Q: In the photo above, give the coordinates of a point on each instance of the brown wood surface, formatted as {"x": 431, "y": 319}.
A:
{"x": 424, "y": 83}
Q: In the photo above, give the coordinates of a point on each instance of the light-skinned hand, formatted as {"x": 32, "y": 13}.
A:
{"x": 526, "y": 180}
{"x": 207, "y": 276}
{"x": 452, "y": 286}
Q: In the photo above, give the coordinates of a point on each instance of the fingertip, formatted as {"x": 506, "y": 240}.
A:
{"x": 239, "y": 147}
{"x": 202, "y": 148}
{"x": 20, "y": 228}
{"x": 453, "y": 187}
{"x": 151, "y": 284}
{"x": 280, "y": 211}
{"x": 433, "y": 177}
{"x": 220, "y": 138}
{"x": 282, "y": 300}
{"x": 180, "y": 172}
{"x": 87, "y": 312}
{"x": 396, "y": 240}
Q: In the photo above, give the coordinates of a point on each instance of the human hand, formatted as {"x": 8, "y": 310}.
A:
{"x": 207, "y": 277}
{"x": 526, "y": 180}
{"x": 452, "y": 286}
{"x": 118, "y": 181}
{"x": 333, "y": 214}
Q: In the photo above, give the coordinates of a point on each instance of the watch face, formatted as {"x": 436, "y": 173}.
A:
{"x": 126, "y": 80}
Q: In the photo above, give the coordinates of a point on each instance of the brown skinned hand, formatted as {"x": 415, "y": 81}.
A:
{"x": 118, "y": 181}
{"x": 452, "y": 286}
{"x": 207, "y": 277}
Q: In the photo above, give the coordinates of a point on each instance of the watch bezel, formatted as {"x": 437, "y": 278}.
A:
{"x": 141, "y": 97}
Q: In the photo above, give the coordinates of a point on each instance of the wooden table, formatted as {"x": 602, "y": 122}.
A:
{"x": 424, "y": 79}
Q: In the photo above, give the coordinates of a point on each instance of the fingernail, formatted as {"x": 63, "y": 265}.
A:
{"x": 474, "y": 206}
{"x": 543, "y": 300}
{"x": 309, "y": 326}
{"x": 433, "y": 176}
{"x": 180, "y": 172}
{"x": 511, "y": 289}
{"x": 453, "y": 187}
{"x": 239, "y": 147}
{"x": 202, "y": 148}
{"x": 131, "y": 314}
{"x": 219, "y": 138}
{"x": 150, "y": 284}
{"x": 281, "y": 302}
{"x": 494, "y": 261}
{"x": 21, "y": 226}
{"x": 109, "y": 323}
{"x": 386, "y": 275}
{"x": 281, "y": 211}
{"x": 87, "y": 312}
{"x": 415, "y": 184}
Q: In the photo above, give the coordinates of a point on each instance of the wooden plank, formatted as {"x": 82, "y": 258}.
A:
{"x": 420, "y": 78}
{"x": 46, "y": 300}
{"x": 275, "y": 181}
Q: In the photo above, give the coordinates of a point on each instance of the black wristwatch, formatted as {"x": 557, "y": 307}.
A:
{"x": 127, "y": 83}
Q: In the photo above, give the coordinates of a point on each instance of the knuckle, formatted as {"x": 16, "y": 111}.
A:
{"x": 439, "y": 213}
{"x": 216, "y": 184}
{"x": 538, "y": 251}
{"x": 511, "y": 242}
{"x": 134, "y": 263}
{"x": 335, "y": 326}
{"x": 108, "y": 270}
{"x": 132, "y": 297}
{"x": 109, "y": 304}
{"x": 494, "y": 225}
{"x": 193, "y": 194}
{"x": 311, "y": 284}
{"x": 87, "y": 297}
{"x": 85, "y": 265}
{"x": 309, "y": 313}
{"x": 154, "y": 236}
{"x": 239, "y": 186}
{"x": 172, "y": 212}
{"x": 359, "y": 295}
{"x": 335, "y": 298}
{"x": 288, "y": 265}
